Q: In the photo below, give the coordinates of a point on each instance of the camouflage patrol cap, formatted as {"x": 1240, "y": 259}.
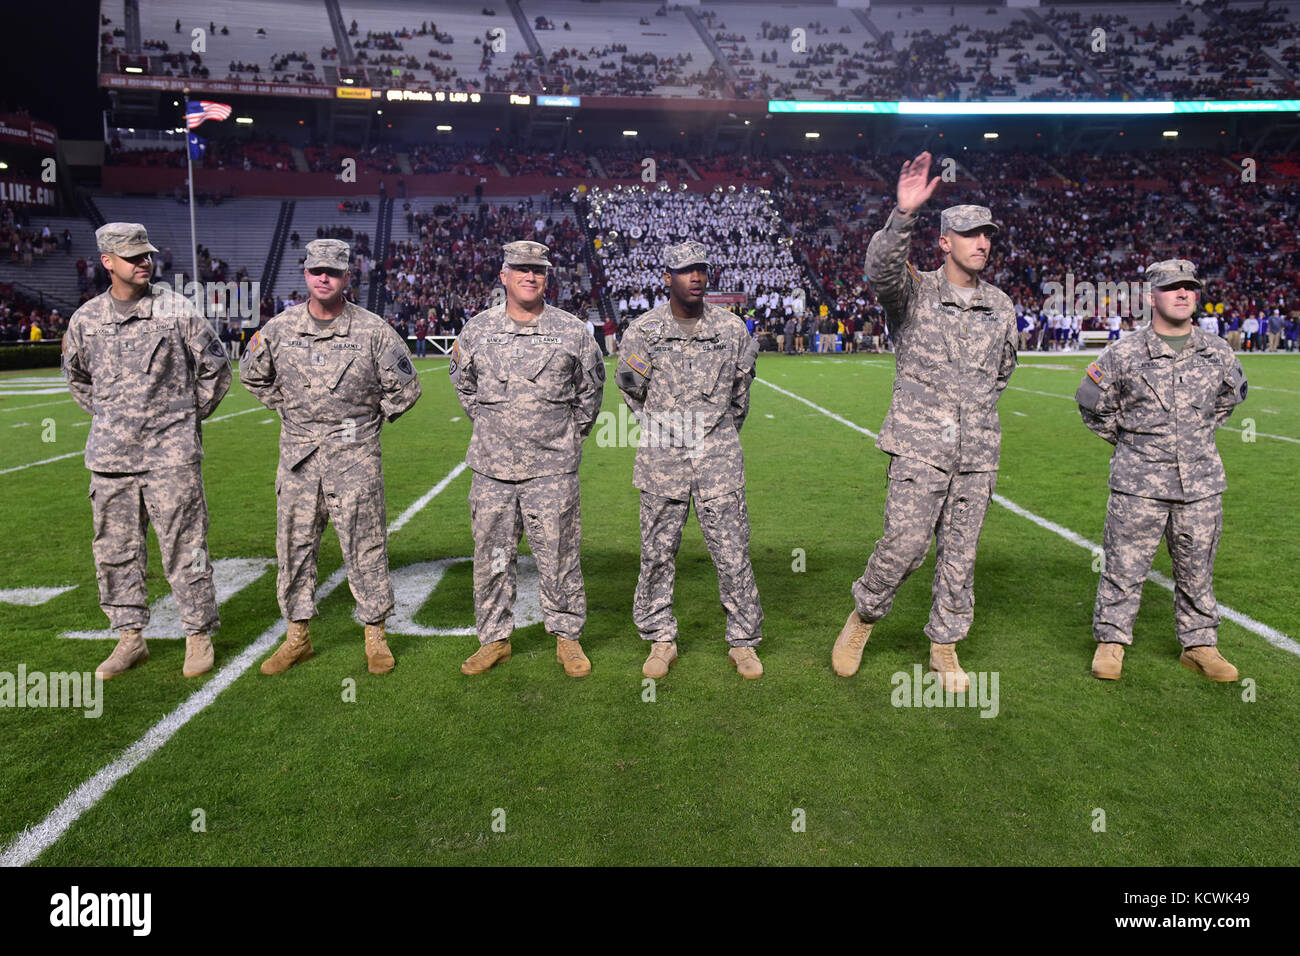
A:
{"x": 1167, "y": 272}
{"x": 685, "y": 254}
{"x": 524, "y": 252}
{"x": 123, "y": 239}
{"x": 330, "y": 253}
{"x": 966, "y": 219}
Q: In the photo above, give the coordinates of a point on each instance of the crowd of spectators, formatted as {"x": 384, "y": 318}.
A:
{"x": 740, "y": 227}
{"x": 447, "y": 273}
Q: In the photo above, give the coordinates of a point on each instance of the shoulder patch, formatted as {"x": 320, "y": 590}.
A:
{"x": 455, "y": 358}
{"x": 912, "y": 269}
{"x": 1095, "y": 373}
{"x": 639, "y": 364}
{"x": 255, "y": 341}
{"x": 404, "y": 366}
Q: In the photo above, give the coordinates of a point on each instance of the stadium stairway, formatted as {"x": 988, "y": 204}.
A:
{"x": 525, "y": 28}
{"x": 300, "y": 159}
{"x": 871, "y": 27}
{"x": 720, "y": 58}
{"x": 341, "y": 41}
{"x": 281, "y": 238}
{"x": 1084, "y": 67}
{"x": 603, "y": 302}
{"x": 86, "y": 203}
{"x": 383, "y": 229}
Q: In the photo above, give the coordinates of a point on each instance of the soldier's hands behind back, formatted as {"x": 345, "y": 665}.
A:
{"x": 914, "y": 185}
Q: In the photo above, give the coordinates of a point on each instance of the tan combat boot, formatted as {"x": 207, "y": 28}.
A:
{"x": 846, "y": 655}
{"x": 296, "y": 648}
{"x": 1108, "y": 661}
{"x": 198, "y": 655}
{"x": 745, "y": 660}
{"x": 663, "y": 654}
{"x": 943, "y": 660}
{"x": 493, "y": 652}
{"x": 569, "y": 653}
{"x": 130, "y": 650}
{"x": 1208, "y": 661}
{"x": 379, "y": 659}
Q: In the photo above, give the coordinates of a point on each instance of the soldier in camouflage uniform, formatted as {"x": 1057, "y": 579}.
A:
{"x": 335, "y": 373}
{"x": 684, "y": 368}
{"x": 955, "y": 339}
{"x": 1159, "y": 396}
{"x": 145, "y": 364}
{"x": 530, "y": 378}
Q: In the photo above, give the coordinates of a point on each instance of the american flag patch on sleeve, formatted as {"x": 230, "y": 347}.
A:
{"x": 639, "y": 364}
{"x": 1095, "y": 373}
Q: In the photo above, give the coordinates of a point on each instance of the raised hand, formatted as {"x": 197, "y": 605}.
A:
{"x": 914, "y": 185}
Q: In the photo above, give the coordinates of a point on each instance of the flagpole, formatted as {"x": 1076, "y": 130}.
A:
{"x": 189, "y": 168}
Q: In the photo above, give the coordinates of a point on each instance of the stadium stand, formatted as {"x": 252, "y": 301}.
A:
{"x": 284, "y": 41}
{"x": 425, "y": 47}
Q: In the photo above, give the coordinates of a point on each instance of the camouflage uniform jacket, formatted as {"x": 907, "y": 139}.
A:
{"x": 952, "y": 361}
{"x": 147, "y": 379}
{"x": 692, "y": 396}
{"x": 532, "y": 392}
{"x": 334, "y": 388}
{"x": 1160, "y": 409}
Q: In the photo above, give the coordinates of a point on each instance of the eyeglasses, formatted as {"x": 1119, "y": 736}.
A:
{"x": 325, "y": 271}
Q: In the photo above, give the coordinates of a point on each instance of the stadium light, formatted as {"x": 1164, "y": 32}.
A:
{"x": 990, "y": 135}
{"x": 1170, "y": 134}
{"x": 629, "y": 132}
{"x": 812, "y": 135}
{"x": 348, "y": 80}
{"x": 379, "y": 112}
{"x": 134, "y": 69}
{"x": 244, "y": 120}
{"x": 3, "y": 165}
{"x": 746, "y": 122}
{"x": 443, "y": 129}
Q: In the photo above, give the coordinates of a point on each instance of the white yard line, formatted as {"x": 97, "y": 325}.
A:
{"x": 23, "y": 408}
{"x": 1230, "y": 428}
{"x": 46, "y": 461}
{"x": 34, "y": 841}
{"x": 43, "y": 461}
{"x": 1272, "y": 635}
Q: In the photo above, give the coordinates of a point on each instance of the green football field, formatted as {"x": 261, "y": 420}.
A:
{"x": 329, "y": 765}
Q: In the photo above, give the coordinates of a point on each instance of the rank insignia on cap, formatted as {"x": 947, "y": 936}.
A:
{"x": 639, "y": 364}
{"x": 1095, "y": 373}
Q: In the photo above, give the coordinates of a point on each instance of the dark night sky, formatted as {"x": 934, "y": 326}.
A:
{"x": 50, "y": 53}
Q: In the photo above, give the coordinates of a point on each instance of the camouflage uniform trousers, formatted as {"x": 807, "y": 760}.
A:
{"x": 549, "y": 509}
{"x": 308, "y": 497}
{"x": 123, "y": 506}
{"x": 924, "y": 501}
{"x": 1134, "y": 527}
{"x": 724, "y": 522}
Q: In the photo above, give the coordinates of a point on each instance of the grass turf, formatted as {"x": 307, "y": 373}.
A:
{"x": 712, "y": 771}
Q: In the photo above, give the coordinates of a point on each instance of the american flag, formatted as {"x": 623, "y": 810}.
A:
{"x": 196, "y": 111}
